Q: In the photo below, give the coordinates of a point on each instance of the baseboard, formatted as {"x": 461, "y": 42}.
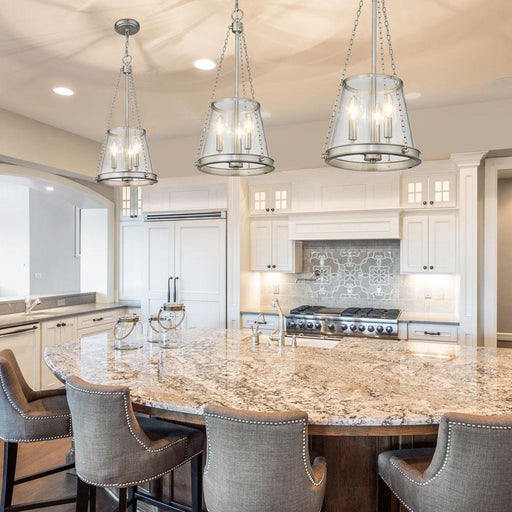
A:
{"x": 504, "y": 336}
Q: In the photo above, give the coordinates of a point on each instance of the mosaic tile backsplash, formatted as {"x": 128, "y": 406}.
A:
{"x": 359, "y": 273}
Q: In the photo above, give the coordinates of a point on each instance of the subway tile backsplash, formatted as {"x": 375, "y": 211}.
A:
{"x": 359, "y": 273}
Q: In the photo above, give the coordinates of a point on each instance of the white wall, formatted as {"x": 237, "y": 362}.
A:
{"x": 53, "y": 265}
{"x": 14, "y": 241}
{"x": 94, "y": 256}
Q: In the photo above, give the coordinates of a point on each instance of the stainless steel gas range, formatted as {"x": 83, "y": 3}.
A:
{"x": 323, "y": 322}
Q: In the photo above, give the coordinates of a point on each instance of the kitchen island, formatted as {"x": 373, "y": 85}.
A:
{"x": 362, "y": 396}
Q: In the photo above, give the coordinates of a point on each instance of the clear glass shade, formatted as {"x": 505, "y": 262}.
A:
{"x": 125, "y": 160}
{"x": 371, "y": 130}
{"x": 234, "y": 142}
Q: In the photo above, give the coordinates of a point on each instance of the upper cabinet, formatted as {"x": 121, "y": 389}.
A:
{"x": 429, "y": 191}
{"x": 272, "y": 199}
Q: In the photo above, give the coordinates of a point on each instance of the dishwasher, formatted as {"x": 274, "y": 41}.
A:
{"x": 23, "y": 340}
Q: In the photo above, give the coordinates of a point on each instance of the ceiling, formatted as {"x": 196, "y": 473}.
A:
{"x": 452, "y": 51}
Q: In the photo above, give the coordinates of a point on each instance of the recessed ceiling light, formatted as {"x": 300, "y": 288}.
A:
{"x": 204, "y": 64}
{"x": 63, "y": 91}
{"x": 412, "y": 96}
{"x": 50, "y": 188}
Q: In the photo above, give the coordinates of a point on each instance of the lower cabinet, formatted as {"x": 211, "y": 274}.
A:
{"x": 432, "y": 332}
{"x": 271, "y": 250}
{"x": 103, "y": 321}
{"x": 266, "y": 323}
{"x": 53, "y": 333}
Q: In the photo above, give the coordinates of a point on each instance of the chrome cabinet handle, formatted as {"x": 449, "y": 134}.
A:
{"x": 174, "y": 295}
{"x": 19, "y": 331}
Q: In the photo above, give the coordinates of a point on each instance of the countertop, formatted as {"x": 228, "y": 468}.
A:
{"x": 49, "y": 314}
{"x": 359, "y": 382}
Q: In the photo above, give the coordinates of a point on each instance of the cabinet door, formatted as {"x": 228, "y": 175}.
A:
{"x": 50, "y": 335}
{"x": 261, "y": 245}
{"x": 414, "y": 252}
{"x": 200, "y": 265}
{"x": 259, "y": 200}
{"x": 442, "y": 244}
{"x": 131, "y": 236}
{"x": 281, "y": 198}
{"x": 442, "y": 191}
{"x": 158, "y": 265}
{"x": 283, "y": 250}
{"x": 414, "y": 192}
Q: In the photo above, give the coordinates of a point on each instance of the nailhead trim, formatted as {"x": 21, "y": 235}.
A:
{"x": 447, "y": 454}
{"x": 137, "y": 482}
{"x": 23, "y": 413}
{"x": 129, "y": 420}
{"x": 261, "y": 422}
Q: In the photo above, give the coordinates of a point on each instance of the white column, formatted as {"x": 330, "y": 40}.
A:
{"x": 233, "y": 253}
{"x": 468, "y": 164}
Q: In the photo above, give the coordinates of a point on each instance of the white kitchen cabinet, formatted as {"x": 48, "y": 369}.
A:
{"x": 429, "y": 244}
{"x": 54, "y": 333}
{"x": 131, "y": 238}
{"x": 272, "y": 199}
{"x": 446, "y": 333}
{"x": 101, "y": 321}
{"x": 24, "y": 341}
{"x": 429, "y": 191}
{"x": 271, "y": 249}
{"x": 191, "y": 257}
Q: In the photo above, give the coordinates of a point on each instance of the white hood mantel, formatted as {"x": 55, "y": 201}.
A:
{"x": 362, "y": 225}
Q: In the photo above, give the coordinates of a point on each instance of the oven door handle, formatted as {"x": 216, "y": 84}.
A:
{"x": 19, "y": 331}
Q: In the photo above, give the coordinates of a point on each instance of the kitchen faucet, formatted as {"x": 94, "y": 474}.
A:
{"x": 279, "y": 335}
{"x": 30, "y": 304}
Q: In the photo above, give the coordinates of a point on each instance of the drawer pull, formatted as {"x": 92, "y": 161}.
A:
{"x": 63, "y": 324}
{"x": 97, "y": 319}
{"x": 261, "y": 323}
{"x": 432, "y": 333}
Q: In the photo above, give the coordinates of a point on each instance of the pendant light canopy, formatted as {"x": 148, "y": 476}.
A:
{"x": 369, "y": 128}
{"x": 233, "y": 140}
{"x": 125, "y": 159}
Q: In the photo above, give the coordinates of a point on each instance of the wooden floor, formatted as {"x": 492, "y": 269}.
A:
{"x": 36, "y": 457}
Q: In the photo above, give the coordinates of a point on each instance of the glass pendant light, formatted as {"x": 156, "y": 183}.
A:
{"x": 125, "y": 159}
{"x": 233, "y": 140}
{"x": 369, "y": 128}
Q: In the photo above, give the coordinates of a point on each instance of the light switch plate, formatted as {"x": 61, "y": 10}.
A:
{"x": 61, "y": 302}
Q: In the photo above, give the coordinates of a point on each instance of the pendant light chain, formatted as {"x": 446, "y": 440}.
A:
{"x": 381, "y": 38}
{"x": 340, "y": 85}
{"x": 388, "y": 37}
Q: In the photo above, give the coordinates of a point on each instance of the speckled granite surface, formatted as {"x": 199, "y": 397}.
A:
{"x": 359, "y": 382}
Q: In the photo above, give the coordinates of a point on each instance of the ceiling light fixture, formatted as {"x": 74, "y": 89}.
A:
{"x": 49, "y": 188}
{"x": 369, "y": 128}
{"x": 204, "y": 64}
{"x": 63, "y": 91}
{"x": 233, "y": 140}
{"x": 125, "y": 159}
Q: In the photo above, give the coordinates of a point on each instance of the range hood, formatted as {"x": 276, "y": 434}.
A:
{"x": 368, "y": 225}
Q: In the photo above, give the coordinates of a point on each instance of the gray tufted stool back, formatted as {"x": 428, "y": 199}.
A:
{"x": 259, "y": 462}
{"x": 469, "y": 470}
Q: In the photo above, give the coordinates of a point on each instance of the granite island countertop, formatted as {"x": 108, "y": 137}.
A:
{"x": 359, "y": 382}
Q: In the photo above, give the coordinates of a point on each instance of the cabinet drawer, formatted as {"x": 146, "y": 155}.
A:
{"x": 433, "y": 332}
{"x": 89, "y": 331}
{"x": 267, "y": 322}
{"x": 99, "y": 318}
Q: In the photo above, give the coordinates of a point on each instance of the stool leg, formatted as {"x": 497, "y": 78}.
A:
{"x": 132, "y": 500}
{"x": 10, "y": 454}
{"x": 122, "y": 499}
{"x": 92, "y": 498}
{"x": 196, "y": 466}
{"x": 82, "y": 495}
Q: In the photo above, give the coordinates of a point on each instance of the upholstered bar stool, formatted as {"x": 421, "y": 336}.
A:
{"x": 28, "y": 416}
{"x": 113, "y": 448}
{"x": 469, "y": 470}
{"x": 259, "y": 462}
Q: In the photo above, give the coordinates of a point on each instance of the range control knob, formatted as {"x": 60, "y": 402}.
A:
{"x": 344, "y": 327}
{"x": 310, "y": 325}
{"x": 389, "y": 329}
{"x": 301, "y": 325}
{"x": 292, "y": 325}
{"x": 362, "y": 327}
{"x": 371, "y": 328}
{"x": 318, "y": 325}
{"x": 380, "y": 328}
{"x": 331, "y": 326}
{"x": 353, "y": 327}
